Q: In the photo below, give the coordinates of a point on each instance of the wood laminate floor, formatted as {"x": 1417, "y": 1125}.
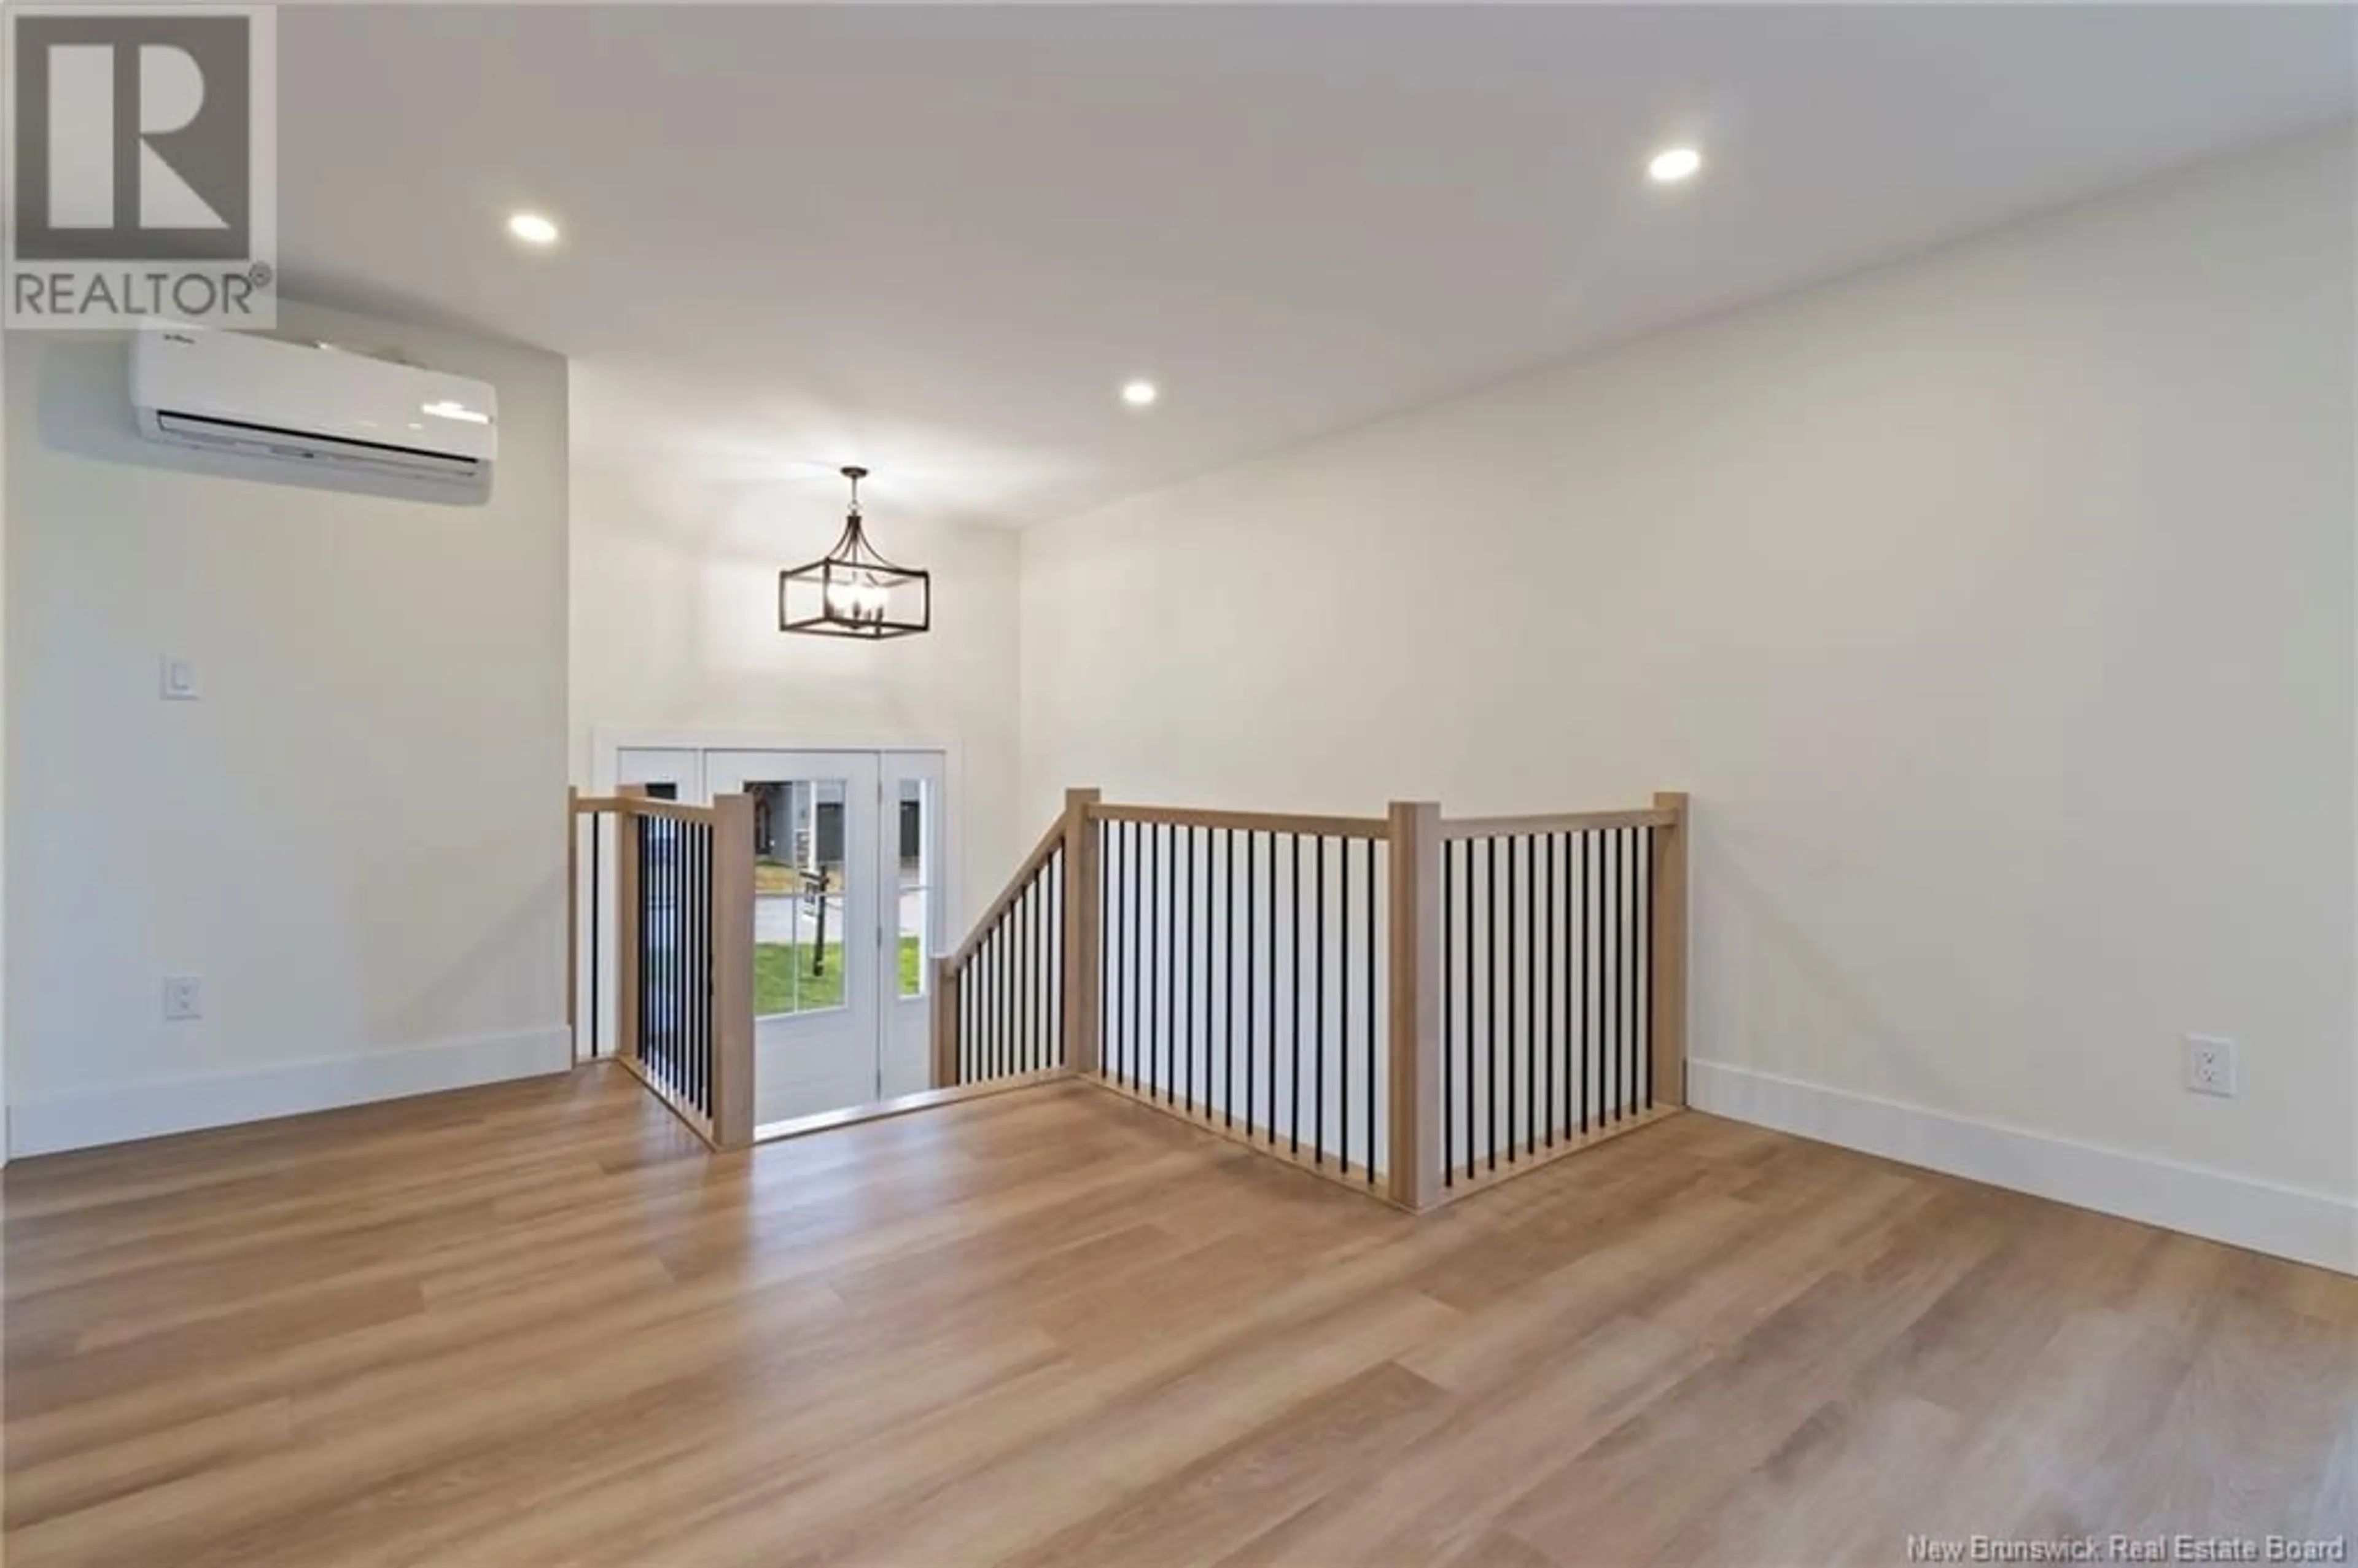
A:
{"x": 535, "y": 1323}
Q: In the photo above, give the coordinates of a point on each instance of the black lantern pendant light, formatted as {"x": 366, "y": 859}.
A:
{"x": 852, "y": 592}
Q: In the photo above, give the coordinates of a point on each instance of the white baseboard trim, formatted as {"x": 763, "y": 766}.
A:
{"x": 2288, "y": 1222}
{"x": 92, "y": 1117}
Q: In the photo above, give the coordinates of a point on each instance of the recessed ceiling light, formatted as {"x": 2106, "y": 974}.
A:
{"x": 1138, "y": 393}
{"x": 532, "y": 229}
{"x": 1673, "y": 164}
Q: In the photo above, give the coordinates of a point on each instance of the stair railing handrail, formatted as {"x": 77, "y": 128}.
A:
{"x": 717, "y": 916}
{"x": 1648, "y": 933}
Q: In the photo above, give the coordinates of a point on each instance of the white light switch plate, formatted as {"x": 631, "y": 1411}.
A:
{"x": 181, "y": 682}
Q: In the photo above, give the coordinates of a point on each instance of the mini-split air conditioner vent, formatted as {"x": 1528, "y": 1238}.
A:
{"x": 298, "y": 405}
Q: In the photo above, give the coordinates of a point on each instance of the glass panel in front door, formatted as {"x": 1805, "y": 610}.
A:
{"x": 913, "y": 883}
{"x": 800, "y": 895}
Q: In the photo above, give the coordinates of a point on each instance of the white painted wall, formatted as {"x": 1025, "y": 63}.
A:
{"x": 355, "y": 837}
{"x": 1997, "y": 608}
{"x": 676, "y": 554}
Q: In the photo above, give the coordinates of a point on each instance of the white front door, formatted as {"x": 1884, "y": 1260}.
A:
{"x": 911, "y": 860}
{"x": 846, "y": 851}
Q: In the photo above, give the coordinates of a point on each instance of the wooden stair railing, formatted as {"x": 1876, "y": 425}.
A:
{"x": 682, "y": 899}
{"x": 1006, "y": 1003}
{"x": 1413, "y": 1006}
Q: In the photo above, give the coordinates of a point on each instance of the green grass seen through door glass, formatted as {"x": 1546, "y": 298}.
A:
{"x": 782, "y": 982}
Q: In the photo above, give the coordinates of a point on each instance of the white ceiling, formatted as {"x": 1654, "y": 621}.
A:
{"x": 938, "y": 241}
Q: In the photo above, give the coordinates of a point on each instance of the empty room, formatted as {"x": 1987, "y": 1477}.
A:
{"x": 1329, "y": 786}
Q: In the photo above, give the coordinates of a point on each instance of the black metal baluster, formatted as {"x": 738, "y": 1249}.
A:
{"x": 1548, "y": 989}
{"x": 1614, "y": 934}
{"x": 1046, "y": 1007}
{"x": 703, "y": 992}
{"x": 1145, "y": 900}
{"x": 1534, "y": 1104}
{"x": 1229, "y": 1098}
{"x": 667, "y": 998}
{"x": 597, "y": 923}
{"x": 1448, "y": 1003}
{"x": 1515, "y": 889}
{"x": 1043, "y": 1011}
{"x": 672, "y": 1077}
{"x": 1105, "y": 939}
{"x": 651, "y": 936}
{"x": 1293, "y": 911}
{"x": 1159, "y": 1052}
{"x": 1060, "y": 890}
{"x": 674, "y": 973}
{"x": 1597, "y": 938}
{"x": 1318, "y": 1009}
{"x": 1621, "y": 970}
{"x": 1645, "y": 918}
{"x": 1497, "y": 989}
{"x": 1206, "y": 995}
{"x": 1370, "y": 1014}
{"x": 1013, "y": 1002}
{"x": 663, "y": 908}
{"x": 683, "y": 952}
{"x": 1182, "y": 932}
{"x": 691, "y": 995}
{"x": 1269, "y": 1002}
{"x": 671, "y": 953}
{"x": 1018, "y": 1002}
{"x": 1587, "y": 965}
{"x": 1630, "y": 970}
{"x": 1606, "y": 987}
{"x": 1022, "y": 1001}
{"x": 1028, "y": 972}
{"x": 651, "y": 939}
{"x": 697, "y": 978}
{"x": 1051, "y": 992}
{"x": 1343, "y": 1012}
{"x": 642, "y": 849}
{"x": 1021, "y": 998}
{"x": 1210, "y": 994}
{"x": 1252, "y": 958}
{"x": 1207, "y": 922}
{"x": 1130, "y": 953}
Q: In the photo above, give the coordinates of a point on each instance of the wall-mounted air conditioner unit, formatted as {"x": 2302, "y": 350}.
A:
{"x": 320, "y": 408}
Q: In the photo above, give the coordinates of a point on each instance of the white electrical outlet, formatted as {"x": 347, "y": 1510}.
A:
{"x": 184, "y": 998}
{"x": 2211, "y": 1066}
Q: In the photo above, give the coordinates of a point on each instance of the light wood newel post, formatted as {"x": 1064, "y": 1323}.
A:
{"x": 573, "y": 919}
{"x": 626, "y": 924}
{"x": 730, "y": 911}
{"x": 1668, "y": 1005}
{"x": 1415, "y": 1047}
{"x": 1081, "y": 933}
{"x": 946, "y": 1025}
